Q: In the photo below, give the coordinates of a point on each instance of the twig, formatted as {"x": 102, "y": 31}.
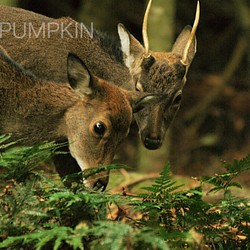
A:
{"x": 127, "y": 184}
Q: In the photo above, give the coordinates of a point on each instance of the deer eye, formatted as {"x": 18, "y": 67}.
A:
{"x": 99, "y": 128}
{"x": 177, "y": 99}
{"x": 139, "y": 87}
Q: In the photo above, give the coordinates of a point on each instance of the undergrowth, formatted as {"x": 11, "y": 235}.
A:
{"x": 37, "y": 212}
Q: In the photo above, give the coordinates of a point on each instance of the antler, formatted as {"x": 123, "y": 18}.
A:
{"x": 192, "y": 35}
{"x": 144, "y": 29}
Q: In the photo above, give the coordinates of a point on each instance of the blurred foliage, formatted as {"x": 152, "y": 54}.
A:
{"x": 38, "y": 213}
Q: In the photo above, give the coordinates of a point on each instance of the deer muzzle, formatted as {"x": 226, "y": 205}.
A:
{"x": 98, "y": 181}
{"x": 152, "y": 142}
{"x": 101, "y": 183}
{"x": 152, "y": 135}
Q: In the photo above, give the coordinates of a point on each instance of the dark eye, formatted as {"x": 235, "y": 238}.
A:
{"x": 177, "y": 99}
{"x": 99, "y": 128}
{"x": 139, "y": 87}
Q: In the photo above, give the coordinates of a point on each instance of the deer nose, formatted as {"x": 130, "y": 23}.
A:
{"x": 101, "y": 183}
{"x": 152, "y": 143}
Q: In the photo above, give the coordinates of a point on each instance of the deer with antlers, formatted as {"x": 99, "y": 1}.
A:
{"x": 158, "y": 72}
{"x": 127, "y": 63}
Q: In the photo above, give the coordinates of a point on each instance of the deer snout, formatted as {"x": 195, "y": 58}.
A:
{"x": 98, "y": 181}
{"x": 101, "y": 183}
{"x": 152, "y": 142}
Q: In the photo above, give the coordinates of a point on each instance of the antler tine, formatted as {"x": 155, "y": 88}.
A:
{"x": 192, "y": 35}
{"x": 144, "y": 29}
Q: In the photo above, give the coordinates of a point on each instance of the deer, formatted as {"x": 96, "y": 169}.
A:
{"x": 93, "y": 115}
{"x": 158, "y": 72}
{"x": 125, "y": 62}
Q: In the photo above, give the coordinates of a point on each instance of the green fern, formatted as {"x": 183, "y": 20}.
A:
{"x": 119, "y": 236}
{"x": 56, "y": 237}
{"x": 163, "y": 185}
{"x": 36, "y": 212}
{"x": 224, "y": 182}
{"x": 18, "y": 162}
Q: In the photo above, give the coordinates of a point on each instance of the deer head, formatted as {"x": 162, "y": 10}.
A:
{"x": 158, "y": 72}
{"x": 108, "y": 115}
{"x": 92, "y": 114}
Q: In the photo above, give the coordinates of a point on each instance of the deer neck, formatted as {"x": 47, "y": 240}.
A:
{"x": 32, "y": 108}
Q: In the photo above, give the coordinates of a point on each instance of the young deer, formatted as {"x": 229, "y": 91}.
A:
{"x": 92, "y": 114}
{"x": 158, "y": 72}
{"x": 43, "y": 46}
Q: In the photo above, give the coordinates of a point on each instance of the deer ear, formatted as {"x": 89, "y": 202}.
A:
{"x": 144, "y": 100}
{"x": 131, "y": 48}
{"x": 180, "y": 43}
{"x": 79, "y": 76}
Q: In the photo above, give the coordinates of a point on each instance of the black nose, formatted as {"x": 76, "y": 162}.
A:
{"x": 152, "y": 143}
{"x": 100, "y": 184}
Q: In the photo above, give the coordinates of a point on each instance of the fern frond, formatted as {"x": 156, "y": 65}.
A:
{"x": 163, "y": 184}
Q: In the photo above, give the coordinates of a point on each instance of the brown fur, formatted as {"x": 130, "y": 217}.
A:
{"x": 35, "y": 53}
{"x": 34, "y": 111}
{"x": 157, "y": 72}
{"x": 46, "y": 57}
